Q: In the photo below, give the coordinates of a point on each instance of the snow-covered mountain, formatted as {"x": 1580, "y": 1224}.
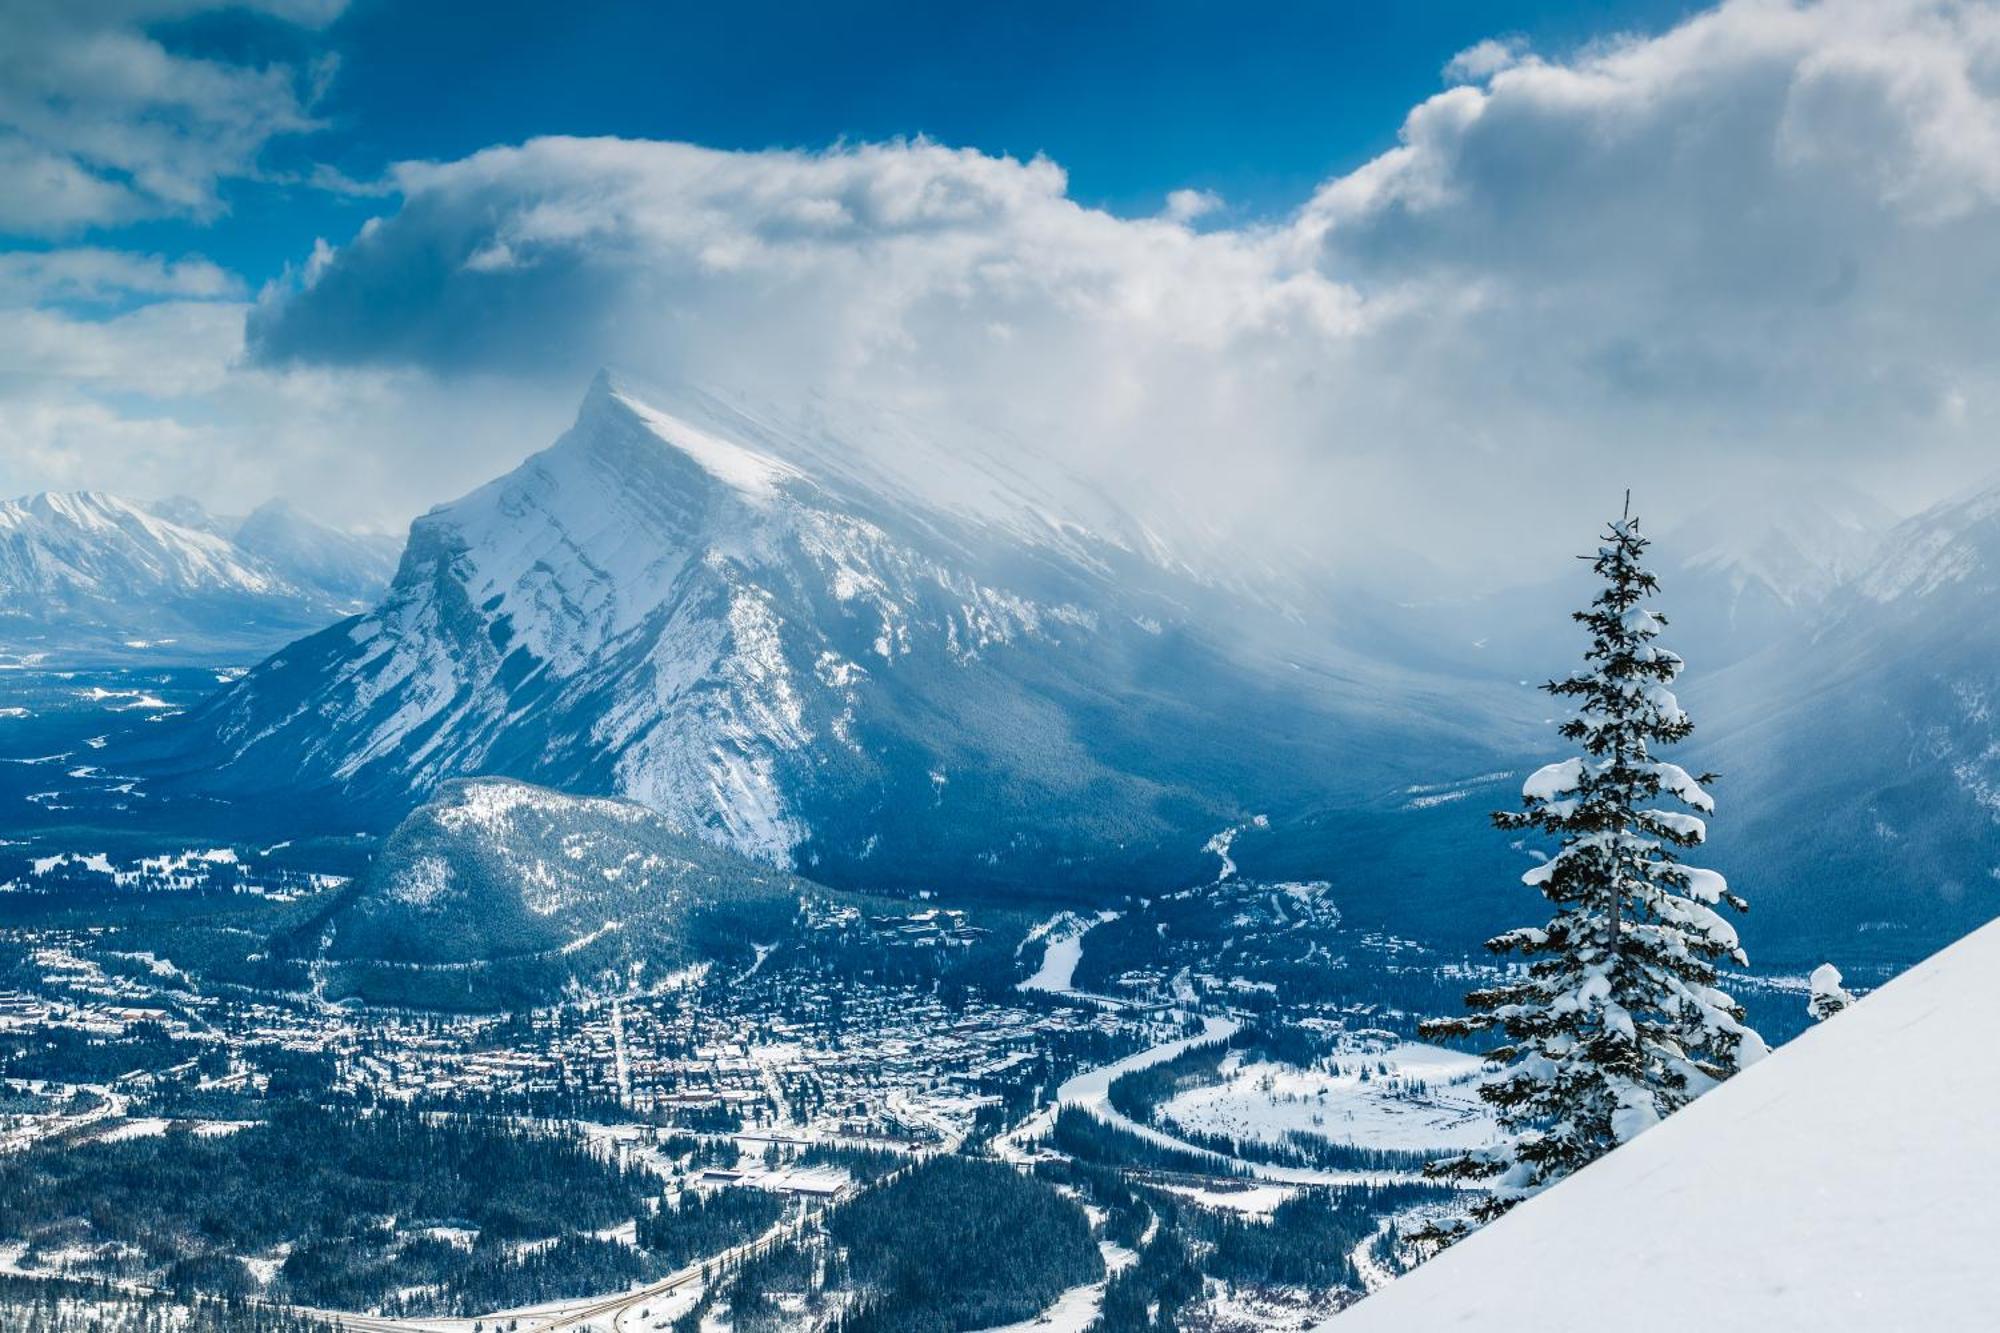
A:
{"x": 1736, "y": 579}
{"x": 1864, "y": 751}
{"x": 1842, "y": 1183}
{"x": 1856, "y": 731}
{"x": 1949, "y": 551}
{"x": 1746, "y": 574}
{"x": 1793, "y": 549}
{"x": 713, "y": 618}
{"x": 349, "y": 569}
{"x": 87, "y": 574}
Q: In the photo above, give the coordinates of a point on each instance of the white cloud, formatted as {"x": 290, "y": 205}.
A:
{"x": 126, "y": 372}
{"x": 1185, "y": 206}
{"x": 1759, "y": 244}
{"x": 101, "y": 124}
{"x": 1482, "y": 60}
{"x": 97, "y": 274}
{"x": 1768, "y": 233}
{"x": 157, "y": 402}
{"x": 921, "y": 282}
{"x": 166, "y": 349}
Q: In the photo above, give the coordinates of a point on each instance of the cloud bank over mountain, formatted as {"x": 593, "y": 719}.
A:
{"x": 1755, "y": 243}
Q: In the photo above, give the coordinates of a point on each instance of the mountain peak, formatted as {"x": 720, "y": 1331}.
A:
{"x": 73, "y": 516}
{"x": 189, "y": 512}
{"x": 665, "y": 606}
{"x": 277, "y": 507}
{"x": 752, "y": 473}
{"x": 99, "y": 574}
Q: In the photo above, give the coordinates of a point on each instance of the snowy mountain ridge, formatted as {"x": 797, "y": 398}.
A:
{"x": 572, "y": 557}
{"x": 349, "y": 569}
{"x": 1948, "y": 544}
{"x": 93, "y": 572}
{"x": 1797, "y": 547}
{"x": 89, "y": 543}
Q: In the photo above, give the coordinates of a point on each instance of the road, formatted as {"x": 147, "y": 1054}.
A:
{"x": 110, "y": 1104}
{"x": 620, "y": 1061}
{"x": 1367, "y": 1267}
{"x": 626, "y": 1304}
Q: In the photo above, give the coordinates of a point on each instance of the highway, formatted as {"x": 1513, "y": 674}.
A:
{"x": 625, "y": 1306}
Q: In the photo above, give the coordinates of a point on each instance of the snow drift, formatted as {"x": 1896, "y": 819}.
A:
{"x": 1844, "y": 1183}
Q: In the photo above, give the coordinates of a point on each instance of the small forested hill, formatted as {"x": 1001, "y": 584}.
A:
{"x": 962, "y": 1244}
{"x": 534, "y": 889}
{"x": 1843, "y": 1183}
{"x": 496, "y": 893}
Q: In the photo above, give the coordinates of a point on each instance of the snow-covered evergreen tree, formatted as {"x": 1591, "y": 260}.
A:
{"x": 1828, "y": 996}
{"x": 1615, "y": 1020}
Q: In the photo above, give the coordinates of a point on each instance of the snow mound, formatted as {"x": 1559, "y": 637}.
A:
{"x": 1844, "y": 1183}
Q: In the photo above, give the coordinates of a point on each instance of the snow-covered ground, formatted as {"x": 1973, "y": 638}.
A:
{"x": 1250, "y": 1200}
{"x": 149, "y": 1127}
{"x": 1062, "y": 949}
{"x": 1253, "y": 1307}
{"x": 1077, "y": 1309}
{"x": 1409, "y": 1095}
{"x": 1846, "y": 1182}
{"x": 1091, "y": 1091}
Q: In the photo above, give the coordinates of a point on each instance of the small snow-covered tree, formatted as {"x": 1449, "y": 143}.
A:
{"x": 1828, "y": 996}
{"x": 1615, "y": 1020}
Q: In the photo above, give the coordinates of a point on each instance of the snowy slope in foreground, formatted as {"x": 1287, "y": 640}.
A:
{"x": 1847, "y": 1182}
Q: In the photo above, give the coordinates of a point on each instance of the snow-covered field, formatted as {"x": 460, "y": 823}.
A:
{"x": 1260, "y": 1200}
{"x": 1404, "y": 1096}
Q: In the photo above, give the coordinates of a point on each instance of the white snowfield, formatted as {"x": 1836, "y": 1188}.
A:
{"x": 1414, "y": 1096}
{"x": 1064, "y": 950}
{"x": 1850, "y": 1181}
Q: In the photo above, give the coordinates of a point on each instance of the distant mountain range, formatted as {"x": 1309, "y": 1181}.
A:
{"x": 94, "y": 577}
{"x": 1852, "y": 720}
{"x": 1864, "y": 752}
{"x": 1736, "y": 579}
{"x": 754, "y": 630}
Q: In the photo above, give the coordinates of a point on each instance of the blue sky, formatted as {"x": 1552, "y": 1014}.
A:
{"x": 1323, "y": 274}
{"x": 1256, "y": 102}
